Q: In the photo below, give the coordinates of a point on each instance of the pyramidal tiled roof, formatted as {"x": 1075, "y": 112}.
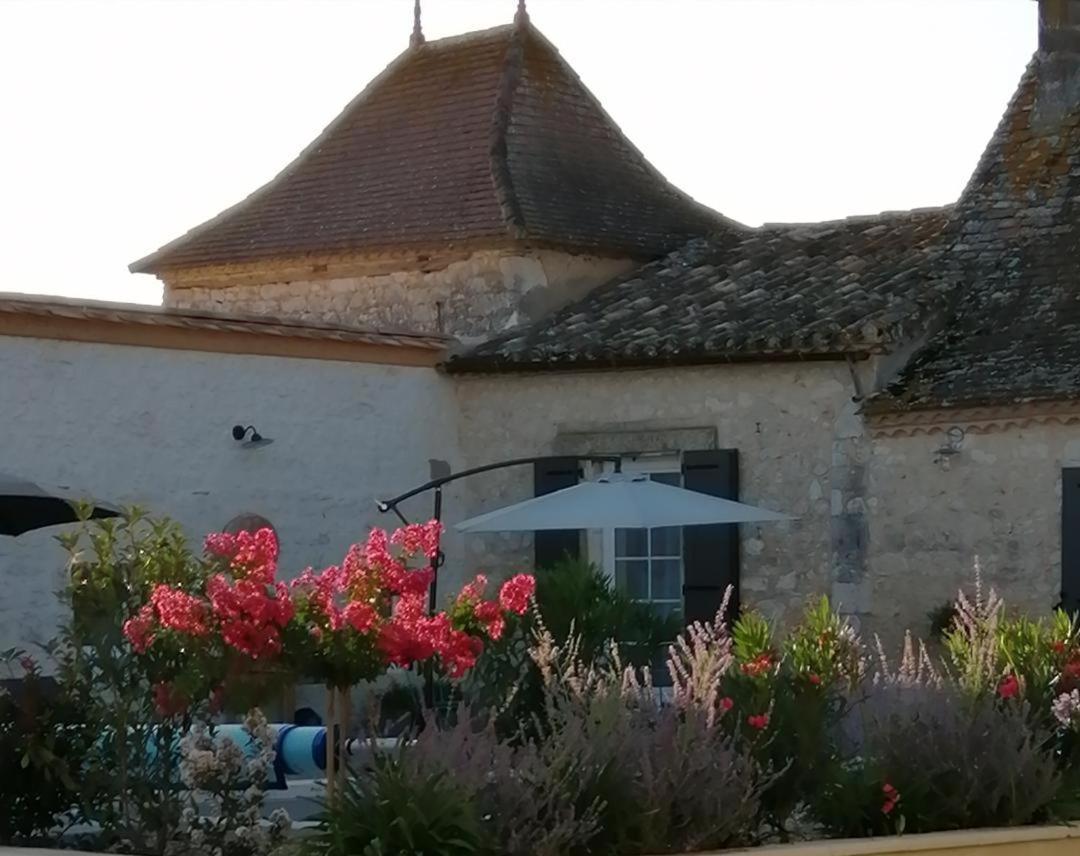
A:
{"x": 488, "y": 138}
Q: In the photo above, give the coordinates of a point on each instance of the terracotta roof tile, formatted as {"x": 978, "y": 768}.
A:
{"x": 488, "y": 137}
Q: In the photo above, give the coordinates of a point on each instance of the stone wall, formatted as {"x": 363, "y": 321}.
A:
{"x": 485, "y": 293}
{"x": 930, "y": 515}
{"x": 151, "y": 427}
{"x": 800, "y": 451}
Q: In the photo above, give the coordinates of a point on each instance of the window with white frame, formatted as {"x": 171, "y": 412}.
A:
{"x": 647, "y": 564}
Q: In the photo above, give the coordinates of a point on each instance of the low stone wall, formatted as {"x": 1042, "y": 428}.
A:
{"x": 1025, "y": 841}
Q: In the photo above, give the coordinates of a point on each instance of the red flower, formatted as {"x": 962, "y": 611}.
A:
{"x": 474, "y": 590}
{"x": 892, "y": 797}
{"x": 420, "y": 538}
{"x": 1057, "y": 647}
{"x": 515, "y": 593}
{"x": 459, "y": 652}
{"x": 139, "y": 629}
{"x": 490, "y": 614}
{"x": 167, "y": 701}
{"x": 250, "y": 555}
{"x": 251, "y": 619}
{"x": 760, "y": 722}
{"x": 1009, "y": 687}
{"x": 815, "y": 680}
{"x": 360, "y": 616}
{"x": 726, "y": 704}
{"x": 760, "y": 665}
{"x": 180, "y": 611}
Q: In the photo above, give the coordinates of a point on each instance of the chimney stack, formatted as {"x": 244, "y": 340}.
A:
{"x": 1058, "y": 93}
{"x": 1059, "y": 26}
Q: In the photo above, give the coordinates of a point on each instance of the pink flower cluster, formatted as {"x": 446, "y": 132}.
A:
{"x": 376, "y": 592}
{"x": 168, "y": 609}
{"x": 892, "y": 798}
{"x": 374, "y": 601}
{"x": 251, "y": 555}
{"x": 246, "y": 608}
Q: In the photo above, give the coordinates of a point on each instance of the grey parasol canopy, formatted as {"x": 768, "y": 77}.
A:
{"x": 618, "y": 501}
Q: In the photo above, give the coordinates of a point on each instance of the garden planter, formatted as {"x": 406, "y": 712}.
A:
{"x": 1021, "y": 841}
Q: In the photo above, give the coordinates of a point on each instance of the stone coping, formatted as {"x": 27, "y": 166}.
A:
{"x": 1018, "y": 841}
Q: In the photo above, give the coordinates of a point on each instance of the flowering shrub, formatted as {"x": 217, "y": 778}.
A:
{"x": 760, "y": 736}
{"x": 229, "y": 783}
{"x": 931, "y": 758}
{"x": 613, "y": 771}
{"x": 340, "y": 626}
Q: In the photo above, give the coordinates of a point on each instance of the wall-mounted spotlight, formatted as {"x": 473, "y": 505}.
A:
{"x": 953, "y": 444}
{"x": 239, "y": 433}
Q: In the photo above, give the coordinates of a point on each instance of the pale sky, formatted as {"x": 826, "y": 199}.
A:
{"x": 126, "y": 122}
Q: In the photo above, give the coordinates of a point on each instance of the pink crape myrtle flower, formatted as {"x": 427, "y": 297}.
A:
{"x": 178, "y": 610}
{"x": 419, "y": 538}
{"x": 251, "y": 555}
{"x": 515, "y": 593}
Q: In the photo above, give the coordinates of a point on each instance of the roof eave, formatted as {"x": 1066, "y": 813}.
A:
{"x": 495, "y": 365}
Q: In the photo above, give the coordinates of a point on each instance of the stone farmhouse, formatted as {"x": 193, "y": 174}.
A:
{"x": 472, "y": 263}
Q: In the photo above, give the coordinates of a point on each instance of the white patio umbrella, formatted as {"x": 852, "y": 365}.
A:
{"x": 618, "y": 501}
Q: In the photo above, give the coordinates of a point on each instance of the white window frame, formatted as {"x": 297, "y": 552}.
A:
{"x": 601, "y": 543}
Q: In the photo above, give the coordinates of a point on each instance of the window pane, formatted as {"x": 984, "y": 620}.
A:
{"x": 666, "y": 579}
{"x": 667, "y": 541}
{"x": 674, "y": 479}
{"x": 632, "y": 577}
{"x": 631, "y": 542}
{"x": 668, "y": 609}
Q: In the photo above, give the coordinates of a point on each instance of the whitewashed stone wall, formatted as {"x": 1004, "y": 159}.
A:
{"x": 152, "y": 427}
{"x": 794, "y": 426}
{"x": 999, "y": 499}
{"x": 488, "y": 292}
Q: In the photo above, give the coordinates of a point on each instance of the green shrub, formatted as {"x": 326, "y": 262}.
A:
{"x": 41, "y": 747}
{"x": 788, "y": 696}
{"x": 573, "y": 599}
{"x": 386, "y": 811}
{"x": 932, "y": 758}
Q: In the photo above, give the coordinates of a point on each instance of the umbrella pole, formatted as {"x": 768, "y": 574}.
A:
{"x": 436, "y": 561}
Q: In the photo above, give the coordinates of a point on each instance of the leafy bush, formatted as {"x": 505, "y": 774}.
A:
{"x": 41, "y": 737}
{"x": 931, "y": 758}
{"x": 788, "y": 698}
{"x": 388, "y": 812}
{"x": 579, "y": 599}
{"x": 137, "y": 706}
{"x": 573, "y": 599}
{"x": 608, "y": 770}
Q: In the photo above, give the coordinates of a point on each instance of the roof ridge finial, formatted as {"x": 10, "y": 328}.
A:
{"x": 521, "y": 17}
{"x": 417, "y": 37}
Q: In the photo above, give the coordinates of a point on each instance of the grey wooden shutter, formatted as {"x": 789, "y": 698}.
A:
{"x": 557, "y": 544}
{"x": 710, "y": 553}
{"x": 1070, "y": 539}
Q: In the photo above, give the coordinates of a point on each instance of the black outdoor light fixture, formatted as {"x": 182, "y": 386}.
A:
{"x": 239, "y": 432}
